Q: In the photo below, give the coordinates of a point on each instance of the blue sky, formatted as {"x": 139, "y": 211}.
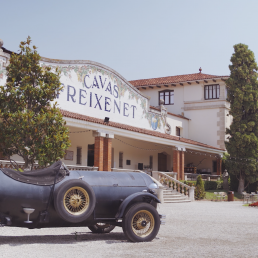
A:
{"x": 137, "y": 38}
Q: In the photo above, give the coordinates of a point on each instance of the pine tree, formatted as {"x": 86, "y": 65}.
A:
{"x": 31, "y": 124}
{"x": 242, "y": 144}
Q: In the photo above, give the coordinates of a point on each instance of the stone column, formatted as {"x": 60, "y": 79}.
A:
{"x": 176, "y": 163}
{"x": 182, "y": 165}
{"x": 98, "y": 152}
{"x": 107, "y": 156}
{"x": 219, "y": 163}
{"x": 191, "y": 193}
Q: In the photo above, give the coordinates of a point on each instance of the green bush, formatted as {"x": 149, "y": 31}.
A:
{"x": 213, "y": 185}
{"x": 199, "y": 189}
{"x": 210, "y": 185}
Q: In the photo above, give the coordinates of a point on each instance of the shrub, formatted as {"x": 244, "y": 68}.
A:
{"x": 213, "y": 185}
{"x": 199, "y": 189}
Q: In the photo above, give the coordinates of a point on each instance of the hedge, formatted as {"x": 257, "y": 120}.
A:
{"x": 208, "y": 185}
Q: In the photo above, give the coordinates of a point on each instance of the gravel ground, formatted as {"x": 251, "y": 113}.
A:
{"x": 197, "y": 229}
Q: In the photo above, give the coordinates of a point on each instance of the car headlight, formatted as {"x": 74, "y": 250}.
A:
{"x": 153, "y": 188}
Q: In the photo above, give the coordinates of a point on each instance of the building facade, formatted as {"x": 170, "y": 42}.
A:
{"x": 174, "y": 123}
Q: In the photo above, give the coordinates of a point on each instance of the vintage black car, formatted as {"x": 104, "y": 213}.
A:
{"x": 57, "y": 197}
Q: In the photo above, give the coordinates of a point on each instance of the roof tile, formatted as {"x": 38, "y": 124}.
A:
{"x": 175, "y": 79}
{"x": 134, "y": 129}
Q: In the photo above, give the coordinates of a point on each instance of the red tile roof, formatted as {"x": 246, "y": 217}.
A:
{"x": 175, "y": 79}
{"x": 134, "y": 129}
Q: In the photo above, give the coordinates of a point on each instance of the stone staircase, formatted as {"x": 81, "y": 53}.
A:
{"x": 172, "y": 196}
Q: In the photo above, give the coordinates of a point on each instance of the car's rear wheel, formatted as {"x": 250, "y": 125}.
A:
{"x": 141, "y": 223}
{"x": 101, "y": 228}
{"x": 74, "y": 200}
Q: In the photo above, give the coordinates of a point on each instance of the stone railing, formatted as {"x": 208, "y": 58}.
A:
{"x": 7, "y": 164}
{"x": 175, "y": 184}
{"x": 87, "y": 168}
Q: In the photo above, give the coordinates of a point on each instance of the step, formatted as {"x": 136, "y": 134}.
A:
{"x": 172, "y": 192}
{"x": 176, "y": 201}
{"x": 175, "y": 197}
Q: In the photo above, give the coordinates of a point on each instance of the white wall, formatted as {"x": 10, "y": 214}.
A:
{"x": 182, "y": 123}
{"x": 203, "y": 126}
{"x": 138, "y": 153}
{"x": 178, "y": 98}
{"x": 79, "y": 140}
{"x": 208, "y": 118}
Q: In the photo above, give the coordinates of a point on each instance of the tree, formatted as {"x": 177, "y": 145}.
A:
{"x": 31, "y": 124}
{"x": 199, "y": 189}
{"x": 242, "y": 144}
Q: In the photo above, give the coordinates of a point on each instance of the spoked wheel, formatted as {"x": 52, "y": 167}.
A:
{"x": 74, "y": 200}
{"x": 101, "y": 228}
{"x": 141, "y": 223}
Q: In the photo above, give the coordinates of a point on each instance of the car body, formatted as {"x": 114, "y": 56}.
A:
{"x": 57, "y": 197}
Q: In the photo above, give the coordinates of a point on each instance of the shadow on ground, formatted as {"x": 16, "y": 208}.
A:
{"x": 110, "y": 238}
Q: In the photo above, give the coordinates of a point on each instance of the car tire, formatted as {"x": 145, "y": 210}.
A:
{"x": 101, "y": 228}
{"x": 141, "y": 223}
{"x": 74, "y": 200}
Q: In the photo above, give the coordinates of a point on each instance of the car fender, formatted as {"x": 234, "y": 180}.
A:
{"x": 132, "y": 197}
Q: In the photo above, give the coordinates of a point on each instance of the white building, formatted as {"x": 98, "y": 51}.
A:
{"x": 185, "y": 133}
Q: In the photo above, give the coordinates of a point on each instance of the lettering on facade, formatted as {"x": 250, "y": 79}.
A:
{"x": 101, "y": 94}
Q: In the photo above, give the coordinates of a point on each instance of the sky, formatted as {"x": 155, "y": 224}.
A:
{"x": 138, "y": 38}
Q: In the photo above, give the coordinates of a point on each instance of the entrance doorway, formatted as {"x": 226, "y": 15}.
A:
{"x": 90, "y": 159}
{"x": 162, "y": 162}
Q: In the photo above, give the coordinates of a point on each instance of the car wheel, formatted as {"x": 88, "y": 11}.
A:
{"x": 141, "y": 223}
{"x": 101, "y": 228}
{"x": 74, "y": 200}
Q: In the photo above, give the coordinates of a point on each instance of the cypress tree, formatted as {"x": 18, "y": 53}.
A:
{"x": 199, "y": 189}
{"x": 242, "y": 144}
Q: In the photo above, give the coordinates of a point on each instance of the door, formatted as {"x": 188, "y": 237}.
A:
{"x": 90, "y": 160}
{"x": 162, "y": 162}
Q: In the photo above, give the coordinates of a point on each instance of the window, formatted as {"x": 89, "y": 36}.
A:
{"x": 90, "y": 160}
{"x": 121, "y": 159}
{"x": 177, "y": 131}
{"x": 211, "y": 91}
{"x": 140, "y": 166}
{"x": 167, "y": 96}
{"x": 214, "y": 164}
{"x": 68, "y": 155}
{"x": 79, "y": 156}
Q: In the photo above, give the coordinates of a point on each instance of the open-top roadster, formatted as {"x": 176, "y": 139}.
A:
{"x": 57, "y": 197}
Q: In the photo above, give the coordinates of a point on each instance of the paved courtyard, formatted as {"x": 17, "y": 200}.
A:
{"x": 197, "y": 229}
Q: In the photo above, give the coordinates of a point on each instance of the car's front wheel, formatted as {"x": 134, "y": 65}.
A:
{"x": 141, "y": 223}
{"x": 101, "y": 228}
